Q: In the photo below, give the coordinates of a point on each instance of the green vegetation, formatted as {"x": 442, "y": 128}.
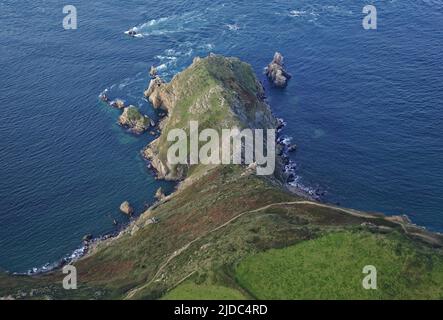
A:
{"x": 330, "y": 267}
{"x": 206, "y": 92}
{"x": 134, "y": 114}
{"x": 192, "y": 291}
{"x": 236, "y": 235}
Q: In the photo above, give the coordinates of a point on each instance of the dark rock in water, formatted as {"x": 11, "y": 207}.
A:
{"x": 87, "y": 238}
{"x": 276, "y": 73}
{"x": 104, "y": 96}
{"x": 153, "y": 72}
{"x": 292, "y": 148}
{"x": 132, "y": 33}
{"x": 117, "y": 103}
{"x": 281, "y": 124}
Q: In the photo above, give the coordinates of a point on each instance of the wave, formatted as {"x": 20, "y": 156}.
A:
{"x": 185, "y": 22}
{"x": 70, "y": 258}
{"x": 233, "y": 27}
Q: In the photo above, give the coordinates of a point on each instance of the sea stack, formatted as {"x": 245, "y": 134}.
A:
{"x": 134, "y": 120}
{"x": 276, "y": 73}
{"x": 126, "y": 208}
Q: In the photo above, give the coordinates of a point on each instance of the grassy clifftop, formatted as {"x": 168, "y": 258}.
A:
{"x": 228, "y": 233}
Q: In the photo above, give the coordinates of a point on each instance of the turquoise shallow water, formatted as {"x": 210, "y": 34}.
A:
{"x": 364, "y": 107}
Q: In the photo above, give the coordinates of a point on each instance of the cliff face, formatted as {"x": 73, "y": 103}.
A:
{"x": 218, "y": 92}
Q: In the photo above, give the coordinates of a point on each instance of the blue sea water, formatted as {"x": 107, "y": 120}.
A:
{"x": 364, "y": 107}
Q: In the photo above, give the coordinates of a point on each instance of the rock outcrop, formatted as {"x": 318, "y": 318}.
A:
{"x": 216, "y": 91}
{"x": 276, "y": 73}
{"x": 157, "y": 94}
{"x": 160, "y": 195}
{"x": 126, "y": 208}
{"x": 134, "y": 120}
{"x": 117, "y": 103}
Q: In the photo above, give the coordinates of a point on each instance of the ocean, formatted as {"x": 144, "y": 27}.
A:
{"x": 364, "y": 106}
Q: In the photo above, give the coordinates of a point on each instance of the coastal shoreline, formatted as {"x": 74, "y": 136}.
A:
{"x": 289, "y": 169}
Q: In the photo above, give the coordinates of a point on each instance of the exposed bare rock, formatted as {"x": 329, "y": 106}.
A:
{"x": 134, "y": 120}
{"x": 117, "y": 103}
{"x": 126, "y": 208}
{"x": 157, "y": 94}
{"x": 160, "y": 195}
{"x": 276, "y": 73}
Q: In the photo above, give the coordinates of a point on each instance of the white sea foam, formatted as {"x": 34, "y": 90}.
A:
{"x": 233, "y": 27}
{"x": 297, "y": 13}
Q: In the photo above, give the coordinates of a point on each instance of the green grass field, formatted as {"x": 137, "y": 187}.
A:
{"x": 192, "y": 291}
{"x": 331, "y": 268}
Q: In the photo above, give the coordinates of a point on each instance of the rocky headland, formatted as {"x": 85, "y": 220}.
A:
{"x": 222, "y": 216}
{"x": 218, "y": 92}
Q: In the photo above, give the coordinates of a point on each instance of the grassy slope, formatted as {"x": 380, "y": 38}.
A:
{"x": 214, "y": 221}
{"x": 211, "y": 260}
{"x": 331, "y": 268}
{"x": 193, "y": 291}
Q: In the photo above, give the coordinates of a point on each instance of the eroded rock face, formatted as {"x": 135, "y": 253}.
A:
{"x": 276, "y": 73}
{"x": 134, "y": 120}
{"x": 126, "y": 208}
{"x": 157, "y": 94}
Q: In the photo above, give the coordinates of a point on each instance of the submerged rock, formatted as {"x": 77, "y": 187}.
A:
{"x": 87, "y": 238}
{"x": 134, "y": 120}
{"x": 126, "y": 208}
{"x": 104, "y": 96}
{"x": 117, "y": 103}
{"x": 276, "y": 73}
